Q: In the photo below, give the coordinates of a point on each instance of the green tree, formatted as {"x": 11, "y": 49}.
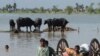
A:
{"x": 14, "y": 6}
{"x": 8, "y": 7}
{"x": 35, "y": 10}
{"x": 48, "y": 10}
{"x": 3, "y": 9}
{"x": 69, "y": 9}
{"x": 42, "y": 9}
{"x": 90, "y": 8}
{"x": 86, "y": 8}
{"x": 82, "y": 7}
{"x": 98, "y": 9}
{"x": 55, "y": 9}
{"x": 77, "y": 7}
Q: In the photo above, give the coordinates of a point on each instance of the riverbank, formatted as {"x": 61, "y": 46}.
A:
{"x": 49, "y": 13}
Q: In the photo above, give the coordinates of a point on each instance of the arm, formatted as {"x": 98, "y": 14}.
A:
{"x": 53, "y": 52}
{"x": 47, "y": 52}
{"x": 38, "y": 52}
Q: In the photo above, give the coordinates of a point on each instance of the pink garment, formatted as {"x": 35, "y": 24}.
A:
{"x": 65, "y": 54}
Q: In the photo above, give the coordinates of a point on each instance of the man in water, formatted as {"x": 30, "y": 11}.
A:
{"x": 84, "y": 49}
{"x": 51, "y": 50}
{"x": 43, "y": 49}
{"x": 72, "y": 51}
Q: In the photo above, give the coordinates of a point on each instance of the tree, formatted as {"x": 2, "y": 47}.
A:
{"x": 3, "y": 9}
{"x": 82, "y": 7}
{"x": 48, "y": 10}
{"x": 42, "y": 9}
{"x": 9, "y": 7}
{"x": 86, "y": 8}
{"x": 90, "y": 8}
{"x": 14, "y": 6}
{"x": 77, "y": 7}
{"x": 69, "y": 9}
{"x": 35, "y": 10}
{"x": 55, "y": 9}
{"x": 98, "y": 9}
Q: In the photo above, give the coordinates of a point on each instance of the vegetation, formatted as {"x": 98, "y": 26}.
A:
{"x": 69, "y": 9}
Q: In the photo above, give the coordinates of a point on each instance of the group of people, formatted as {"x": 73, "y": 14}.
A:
{"x": 82, "y": 50}
{"x": 46, "y": 50}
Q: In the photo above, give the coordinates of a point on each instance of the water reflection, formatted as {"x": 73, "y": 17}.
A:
{"x": 12, "y": 34}
{"x": 50, "y": 34}
{"x": 56, "y": 35}
{"x": 97, "y": 29}
{"x": 30, "y": 36}
{"x": 20, "y": 35}
{"x": 63, "y": 35}
{"x": 36, "y": 35}
{"x": 30, "y": 41}
{"x": 78, "y": 30}
{"x": 21, "y": 39}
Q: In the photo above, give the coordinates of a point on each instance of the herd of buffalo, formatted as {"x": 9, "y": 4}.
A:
{"x": 28, "y": 23}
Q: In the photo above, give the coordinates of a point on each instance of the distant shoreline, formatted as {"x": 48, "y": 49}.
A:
{"x": 54, "y": 13}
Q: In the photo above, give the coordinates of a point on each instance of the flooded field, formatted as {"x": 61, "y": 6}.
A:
{"x": 26, "y": 44}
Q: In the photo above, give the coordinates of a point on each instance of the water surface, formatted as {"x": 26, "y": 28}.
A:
{"x": 26, "y": 44}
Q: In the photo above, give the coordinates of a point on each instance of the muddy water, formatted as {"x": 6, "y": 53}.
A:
{"x": 26, "y": 44}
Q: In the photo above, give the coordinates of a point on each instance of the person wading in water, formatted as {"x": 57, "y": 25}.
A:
{"x": 51, "y": 50}
{"x": 43, "y": 49}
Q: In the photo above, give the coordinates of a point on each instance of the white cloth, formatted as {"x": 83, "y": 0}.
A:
{"x": 43, "y": 51}
{"x": 84, "y": 47}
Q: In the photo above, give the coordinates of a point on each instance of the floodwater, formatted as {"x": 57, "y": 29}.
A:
{"x": 26, "y": 44}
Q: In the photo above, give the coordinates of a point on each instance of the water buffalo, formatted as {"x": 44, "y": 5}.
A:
{"x": 49, "y": 23}
{"x": 12, "y": 24}
{"x": 37, "y": 23}
{"x": 59, "y": 22}
{"x": 24, "y": 22}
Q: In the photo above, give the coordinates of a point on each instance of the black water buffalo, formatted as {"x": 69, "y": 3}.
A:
{"x": 49, "y": 23}
{"x": 59, "y": 22}
{"x": 37, "y": 23}
{"x": 24, "y": 22}
{"x": 12, "y": 24}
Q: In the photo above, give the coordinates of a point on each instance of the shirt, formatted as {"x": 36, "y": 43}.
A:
{"x": 43, "y": 51}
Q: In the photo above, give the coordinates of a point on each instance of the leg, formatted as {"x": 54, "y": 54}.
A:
{"x": 49, "y": 28}
{"x": 13, "y": 28}
{"x": 18, "y": 28}
{"x": 39, "y": 28}
{"x": 26, "y": 28}
{"x": 53, "y": 28}
{"x": 35, "y": 29}
{"x": 10, "y": 28}
{"x": 62, "y": 29}
{"x": 30, "y": 29}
